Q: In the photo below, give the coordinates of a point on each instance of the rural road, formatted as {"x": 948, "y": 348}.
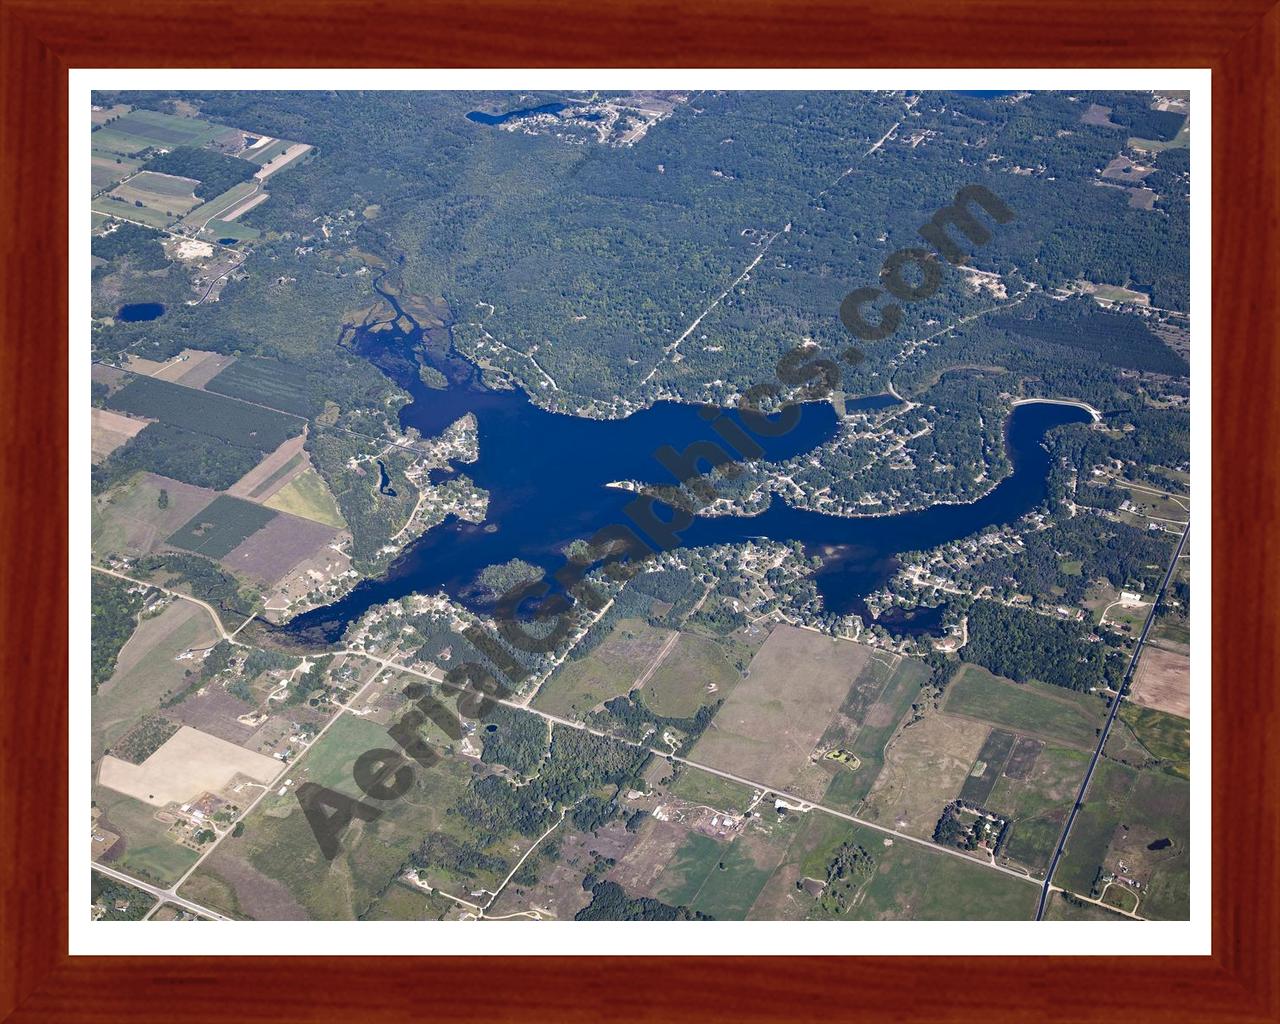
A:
{"x": 791, "y": 797}
{"x": 217, "y": 622}
{"x": 163, "y": 895}
{"x": 1106, "y": 728}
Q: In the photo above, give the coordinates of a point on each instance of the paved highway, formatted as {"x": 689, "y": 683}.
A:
{"x": 1106, "y": 729}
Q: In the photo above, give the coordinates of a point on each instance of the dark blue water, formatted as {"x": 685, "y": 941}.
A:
{"x": 138, "y": 311}
{"x": 228, "y": 241}
{"x": 480, "y": 117}
{"x": 546, "y": 475}
{"x": 384, "y": 480}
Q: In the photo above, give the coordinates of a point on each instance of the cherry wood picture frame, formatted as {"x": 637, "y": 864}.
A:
{"x": 41, "y": 39}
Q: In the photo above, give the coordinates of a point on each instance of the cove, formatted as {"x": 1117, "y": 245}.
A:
{"x": 547, "y": 475}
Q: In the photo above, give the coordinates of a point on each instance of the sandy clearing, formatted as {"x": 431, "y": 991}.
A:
{"x": 194, "y": 368}
{"x": 189, "y": 763}
{"x": 283, "y": 160}
{"x": 246, "y": 206}
{"x": 192, "y": 249}
{"x": 111, "y": 429}
{"x": 1163, "y": 682}
{"x": 262, "y": 472}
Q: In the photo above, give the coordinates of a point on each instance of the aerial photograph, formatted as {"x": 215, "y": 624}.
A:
{"x": 667, "y": 505}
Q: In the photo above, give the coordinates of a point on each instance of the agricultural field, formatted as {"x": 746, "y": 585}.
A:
{"x": 699, "y": 787}
{"x": 988, "y": 767}
{"x": 875, "y": 707}
{"x": 189, "y": 763}
{"x": 405, "y": 902}
{"x": 610, "y": 670}
{"x": 1034, "y": 794}
{"x": 925, "y": 766}
{"x": 308, "y": 496}
{"x": 1135, "y": 824}
{"x": 163, "y": 194}
{"x": 135, "y": 516}
{"x": 722, "y": 880}
{"x": 140, "y": 130}
{"x": 295, "y": 151}
{"x": 1051, "y": 713}
{"x": 696, "y": 672}
{"x": 230, "y": 232}
{"x": 144, "y": 847}
{"x": 1163, "y": 681}
{"x": 269, "y": 382}
{"x": 221, "y": 526}
{"x": 116, "y": 206}
{"x": 275, "y": 868}
{"x": 269, "y": 554}
{"x": 191, "y": 367}
{"x": 1149, "y": 738}
{"x": 149, "y": 668}
{"x": 778, "y": 869}
{"x": 190, "y": 409}
{"x": 108, "y": 168}
{"x": 265, "y": 150}
{"x": 771, "y": 723}
{"x": 111, "y": 430}
{"x": 101, "y": 115}
{"x": 206, "y": 213}
{"x": 1062, "y": 907}
{"x": 273, "y": 472}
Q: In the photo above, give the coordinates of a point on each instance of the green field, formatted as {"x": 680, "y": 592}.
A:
{"x": 278, "y": 844}
{"x": 108, "y": 168}
{"x": 205, "y": 213}
{"x": 232, "y": 229}
{"x": 149, "y": 671}
{"x": 735, "y": 880}
{"x": 1059, "y": 908}
{"x": 1125, "y": 811}
{"x": 988, "y": 767}
{"x": 308, "y": 496}
{"x": 148, "y": 852}
{"x": 1050, "y": 712}
{"x": 145, "y": 129}
{"x": 1037, "y": 806}
{"x": 270, "y": 382}
{"x": 220, "y": 527}
{"x": 1141, "y": 735}
{"x": 403, "y": 902}
{"x": 701, "y": 787}
{"x": 206, "y": 413}
{"x": 684, "y": 875}
{"x": 900, "y": 686}
{"x": 265, "y": 154}
{"x": 610, "y": 670}
{"x": 914, "y": 883}
{"x": 110, "y": 207}
{"x": 277, "y": 476}
{"x": 682, "y": 683}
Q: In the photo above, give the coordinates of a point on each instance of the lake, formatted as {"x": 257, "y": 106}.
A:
{"x": 480, "y": 117}
{"x": 138, "y": 311}
{"x": 547, "y": 477}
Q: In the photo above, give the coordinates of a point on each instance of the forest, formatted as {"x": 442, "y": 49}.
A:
{"x": 1020, "y": 644}
{"x": 215, "y": 172}
{"x": 115, "y": 606}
